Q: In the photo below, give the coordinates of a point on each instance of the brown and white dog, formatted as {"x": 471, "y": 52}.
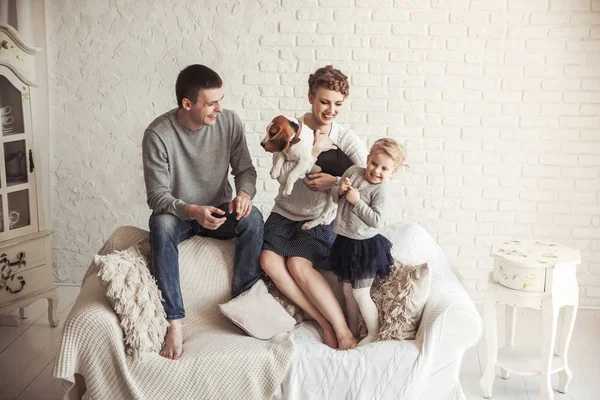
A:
{"x": 292, "y": 141}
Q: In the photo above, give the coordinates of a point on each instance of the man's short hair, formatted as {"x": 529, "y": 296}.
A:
{"x": 194, "y": 78}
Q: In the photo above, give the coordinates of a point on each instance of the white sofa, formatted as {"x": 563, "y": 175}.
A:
{"x": 425, "y": 368}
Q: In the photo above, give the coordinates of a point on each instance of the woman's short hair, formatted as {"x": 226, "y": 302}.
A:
{"x": 328, "y": 78}
{"x": 194, "y": 78}
{"x": 390, "y": 148}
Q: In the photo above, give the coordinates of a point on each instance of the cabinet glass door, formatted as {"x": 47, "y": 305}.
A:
{"x": 11, "y": 109}
{"x": 18, "y": 215}
{"x": 15, "y": 162}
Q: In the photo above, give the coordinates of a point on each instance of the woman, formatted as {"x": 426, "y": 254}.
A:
{"x": 290, "y": 255}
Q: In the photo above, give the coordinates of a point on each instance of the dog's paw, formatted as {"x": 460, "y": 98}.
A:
{"x": 288, "y": 190}
{"x": 311, "y": 224}
{"x": 275, "y": 173}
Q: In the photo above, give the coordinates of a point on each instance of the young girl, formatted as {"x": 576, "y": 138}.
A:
{"x": 359, "y": 253}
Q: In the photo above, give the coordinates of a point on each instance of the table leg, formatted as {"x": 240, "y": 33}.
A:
{"x": 565, "y": 376}
{"x": 510, "y": 323}
{"x": 491, "y": 340}
{"x": 550, "y": 310}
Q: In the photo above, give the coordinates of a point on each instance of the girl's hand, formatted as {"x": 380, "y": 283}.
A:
{"x": 344, "y": 186}
{"x": 353, "y": 195}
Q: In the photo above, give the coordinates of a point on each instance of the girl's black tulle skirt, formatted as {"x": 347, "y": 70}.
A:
{"x": 355, "y": 260}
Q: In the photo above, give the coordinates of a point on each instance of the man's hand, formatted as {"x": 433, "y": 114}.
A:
{"x": 344, "y": 187}
{"x": 242, "y": 204}
{"x": 321, "y": 143}
{"x": 203, "y": 214}
{"x": 353, "y": 195}
{"x": 320, "y": 181}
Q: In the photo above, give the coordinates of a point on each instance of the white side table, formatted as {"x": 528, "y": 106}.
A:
{"x": 539, "y": 275}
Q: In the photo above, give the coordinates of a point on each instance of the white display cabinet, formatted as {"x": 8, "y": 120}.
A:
{"x": 25, "y": 240}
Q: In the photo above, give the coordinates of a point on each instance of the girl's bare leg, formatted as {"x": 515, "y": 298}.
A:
{"x": 315, "y": 286}
{"x": 275, "y": 266}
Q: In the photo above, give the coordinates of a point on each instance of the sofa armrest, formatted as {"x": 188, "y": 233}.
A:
{"x": 121, "y": 239}
{"x": 450, "y": 326}
{"x": 450, "y": 323}
{"x": 91, "y": 316}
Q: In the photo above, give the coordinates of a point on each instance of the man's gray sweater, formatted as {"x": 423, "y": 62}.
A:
{"x": 182, "y": 166}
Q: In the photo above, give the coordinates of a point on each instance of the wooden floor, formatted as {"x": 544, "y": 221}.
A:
{"x": 27, "y": 356}
{"x": 27, "y": 352}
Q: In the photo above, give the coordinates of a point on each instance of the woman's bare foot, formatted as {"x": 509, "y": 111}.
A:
{"x": 173, "y": 346}
{"x": 329, "y": 337}
{"x": 347, "y": 342}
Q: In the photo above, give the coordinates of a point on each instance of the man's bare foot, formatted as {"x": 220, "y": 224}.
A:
{"x": 347, "y": 342}
{"x": 329, "y": 337}
{"x": 368, "y": 339}
{"x": 173, "y": 341}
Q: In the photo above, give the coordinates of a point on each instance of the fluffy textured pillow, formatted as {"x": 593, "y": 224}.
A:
{"x": 400, "y": 299}
{"x": 258, "y": 313}
{"x": 133, "y": 293}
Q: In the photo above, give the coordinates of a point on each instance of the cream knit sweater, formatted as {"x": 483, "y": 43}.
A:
{"x": 304, "y": 204}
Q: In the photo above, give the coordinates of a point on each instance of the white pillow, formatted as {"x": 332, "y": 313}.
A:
{"x": 413, "y": 245}
{"x": 133, "y": 293}
{"x": 258, "y": 313}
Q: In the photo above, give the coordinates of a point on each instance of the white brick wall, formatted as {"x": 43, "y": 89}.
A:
{"x": 498, "y": 102}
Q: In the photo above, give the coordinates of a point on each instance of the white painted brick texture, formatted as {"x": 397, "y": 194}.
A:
{"x": 498, "y": 103}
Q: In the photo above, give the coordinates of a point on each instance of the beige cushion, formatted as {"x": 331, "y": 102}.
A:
{"x": 400, "y": 299}
{"x": 133, "y": 293}
{"x": 258, "y": 313}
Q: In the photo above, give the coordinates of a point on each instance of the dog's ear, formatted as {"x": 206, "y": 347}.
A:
{"x": 294, "y": 126}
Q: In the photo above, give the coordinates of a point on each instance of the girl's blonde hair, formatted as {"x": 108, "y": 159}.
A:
{"x": 390, "y": 148}
{"x": 328, "y": 78}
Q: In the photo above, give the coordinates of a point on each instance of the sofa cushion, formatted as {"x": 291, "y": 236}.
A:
{"x": 382, "y": 370}
{"x": 133, "y": 293}
{"x": 258, "y": 313}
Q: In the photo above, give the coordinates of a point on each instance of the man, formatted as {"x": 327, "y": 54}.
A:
{"x": 186, "y": 154}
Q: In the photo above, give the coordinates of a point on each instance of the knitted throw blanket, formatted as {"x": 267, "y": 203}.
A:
{"x": 219, "y": 361}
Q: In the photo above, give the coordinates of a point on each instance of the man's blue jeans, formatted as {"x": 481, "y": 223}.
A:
{"x": 167, "y": 231}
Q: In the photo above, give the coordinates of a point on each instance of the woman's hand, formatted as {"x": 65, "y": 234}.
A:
{"x": 353, "y": 195}
{"x": 320, "y": 181}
